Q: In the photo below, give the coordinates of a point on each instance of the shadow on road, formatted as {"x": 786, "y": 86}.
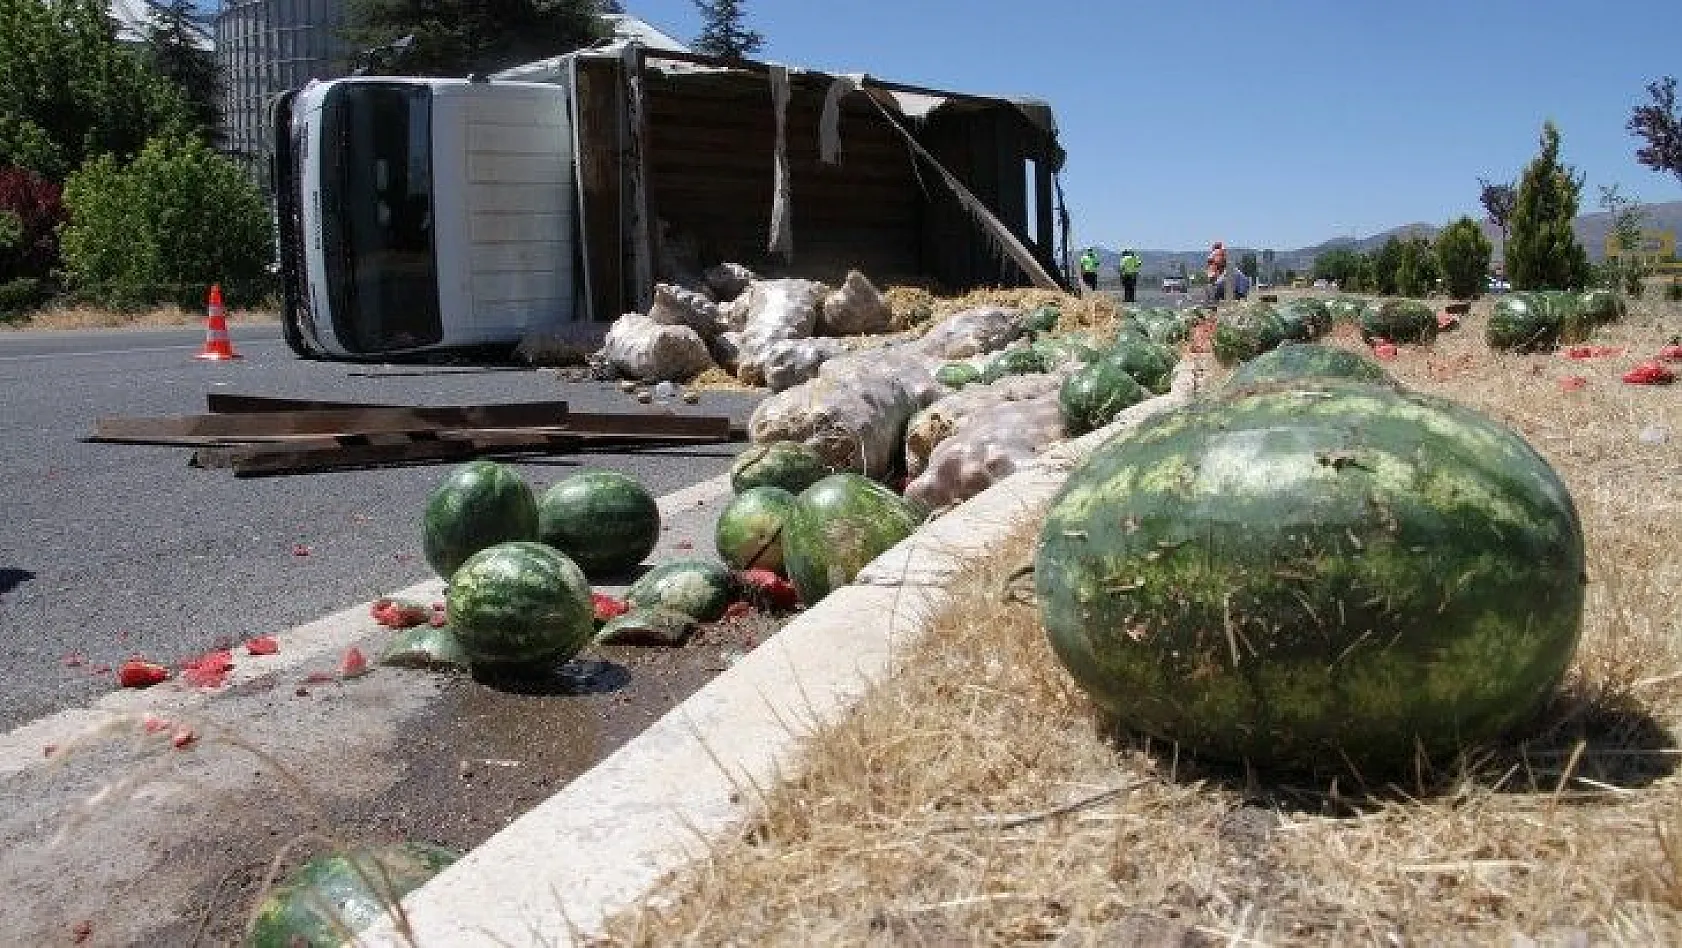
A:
{"x": 11, "y": 579}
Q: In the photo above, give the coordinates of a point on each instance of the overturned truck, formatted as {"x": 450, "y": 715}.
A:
{"x": 419, "y": 215}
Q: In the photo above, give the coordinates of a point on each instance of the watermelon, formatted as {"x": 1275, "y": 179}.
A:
{"x": 1246, "y": 332}
{"x": 480, "y": 504}
{"x": 1398, "y": 320}
{"x": 1042, "y": 319}
{"x": 1600, "y": 307}
{"x": 1306, "y": 360}
{"x": 1164, "y": 326}
{"x": 749, "y": 531}
{"x": 1020, "y": 361}
{"x": 791, "y": 465}
{"x": 1325, "y": 574}
{"x": 1131, "y": 329}
{"x": 342, "y": 892}
{"x": 1304, "y": 319}
{"x": 1093, "y": 396}
{"x": 1575, "y": 325}
{"x": 520, "y": 603}
{"x": 1150, "y": 365}
{"x": 1345, "y": 309}
{"x": 840, "y": 524}
{"x": 1074, "y": 347}
{"x": 604, "y": 520}
{"x": 1522, "y": 322}
{"x": 697, "y": 588}
{"x": 955, "y": 375}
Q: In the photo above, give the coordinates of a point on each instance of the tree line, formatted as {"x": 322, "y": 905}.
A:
{"x": 1534, "y": 215}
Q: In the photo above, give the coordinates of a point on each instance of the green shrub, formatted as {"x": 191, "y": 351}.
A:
{"x": 1463, "y": 254}
{"x": 1673, "y": 292}
{"x": 19, "y": 296}
{"x": 165, "y": 227}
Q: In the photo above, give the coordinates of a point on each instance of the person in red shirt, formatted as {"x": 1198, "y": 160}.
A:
{"x": 1216, "y": 265}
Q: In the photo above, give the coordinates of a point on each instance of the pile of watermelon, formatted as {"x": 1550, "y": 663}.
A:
{"x": 1315, "y": 569}
{"x": 1540, "y": 320}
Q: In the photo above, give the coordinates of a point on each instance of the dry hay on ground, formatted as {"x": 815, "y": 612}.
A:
{"x": 973, "y": 798}
{"x": 82, "y": 316}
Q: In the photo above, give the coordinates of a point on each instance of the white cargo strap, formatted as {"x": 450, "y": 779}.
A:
{"x": 782, "y": 211}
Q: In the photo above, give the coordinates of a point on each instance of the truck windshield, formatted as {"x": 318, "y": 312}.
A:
{"x": 376, "y": 195}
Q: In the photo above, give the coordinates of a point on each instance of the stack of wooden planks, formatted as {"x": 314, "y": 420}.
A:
{"x": 257, "y": 435}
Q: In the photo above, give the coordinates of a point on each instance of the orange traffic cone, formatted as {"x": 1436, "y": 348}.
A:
{"x": 217, "y": 345}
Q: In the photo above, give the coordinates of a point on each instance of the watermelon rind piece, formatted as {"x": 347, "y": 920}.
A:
{"x": 648, "y": 626}
{"x": 791, "y": 465}
{"x": 522, "y": 603}
{"x": 479, "y": 504}
{"x": 840, "y": 524}
{"x": 343, "y": 892}
{"x": 749, "y": 530}
{"x": 606, "y": 521}
{"x": 1327, "y": 574}
{"x": 1305, "y": 360}
{"x": 695, "y": 587}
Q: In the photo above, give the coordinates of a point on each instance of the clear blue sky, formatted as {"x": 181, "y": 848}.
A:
{"x": 1266, "y": 124}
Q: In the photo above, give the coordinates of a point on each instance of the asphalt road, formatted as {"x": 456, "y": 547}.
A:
{"x": 109, "y": 551}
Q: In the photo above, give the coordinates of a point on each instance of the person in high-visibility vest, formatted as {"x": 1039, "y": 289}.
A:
{"x": 1130, "y": 265}
{"x": 1089, "y": 268}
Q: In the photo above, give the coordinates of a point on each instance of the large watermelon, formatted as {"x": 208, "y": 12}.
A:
{"x": 606, "y": 521}
{"x": 1575, "y": 323}
{"x": 955, "y": 375}
{"x": 1073, "y": 347}
{"x": 520, "y": 604}
{"x": 1398, "y": 320}
{"x": 480, "y": 504}
{"x": 1522, "y": 322}
{"x": 1306, "y": 360}
{"x": 791, "y": 465}
{"x": 1323, "y": 574}
{"x": 1092, "y": 397}
{"x": 840, "y": 524}
{"x": 695, "y": 587}
{"x": 1164, "y": 326}
{"x": 1600, "y": 307}
{"x": 1246, "y": 332}
{"x": 343, "y": 892}
{"x": 1345, "y": 309}
{"x": 1150, "y": 365}
{"x": 1042, "y": 318}
{"x": 749, "y": 531}
{"x": 1304, "y": 319}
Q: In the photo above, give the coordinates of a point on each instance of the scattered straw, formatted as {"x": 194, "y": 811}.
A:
{"x": 60, "y": 316}
{"x": 973, "y": 797}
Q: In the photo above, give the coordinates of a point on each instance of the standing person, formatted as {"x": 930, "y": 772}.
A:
{"x": 1215, "y": 269}
{"x": 1130, "y": 265}
{"x": 1089, "y": 268}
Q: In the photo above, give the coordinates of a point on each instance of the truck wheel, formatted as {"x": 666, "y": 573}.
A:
{"x": 295, "y": 340}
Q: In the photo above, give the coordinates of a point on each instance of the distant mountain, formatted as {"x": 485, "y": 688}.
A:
{"x": 1591, "y": 232}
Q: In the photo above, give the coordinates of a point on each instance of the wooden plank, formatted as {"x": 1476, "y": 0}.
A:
{"x": 605, "y": 429}
{"x": 228, "y": 402}
{"x": 366, "y": 420}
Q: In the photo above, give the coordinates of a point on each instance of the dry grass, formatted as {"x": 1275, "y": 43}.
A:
{"x": 974, "y": 798}
{"x": 79, "y": 316}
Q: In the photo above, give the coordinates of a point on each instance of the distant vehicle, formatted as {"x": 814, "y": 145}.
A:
{"x": 1322, "y": 285}
{"x": 1498, "y": 285}
{"x": 1173, "y": 284}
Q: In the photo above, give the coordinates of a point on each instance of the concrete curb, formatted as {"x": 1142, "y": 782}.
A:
{"x": 602, "y": 843}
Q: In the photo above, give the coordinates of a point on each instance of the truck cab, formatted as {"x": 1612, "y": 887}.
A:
{"x": 377, "y": 261}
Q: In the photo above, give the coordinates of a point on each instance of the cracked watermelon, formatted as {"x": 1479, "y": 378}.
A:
{"x": 697, "y": 588}
{"x": 520, "y": 603}
{"x": 749, "y": 531}
{"x": 480, "y": 504}
{"x": 607, "y": 522}
{"x": 839, "y": 525}
{"x": 1315, "y": 576}
{"x": 343, "y": 891}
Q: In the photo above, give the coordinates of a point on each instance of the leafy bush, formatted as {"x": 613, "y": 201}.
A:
{"x": 30, "y": 212}
{"x": 1463, "y": 254}
{"x": 1673, "y": 292}
{"x": 165, "y": 227}
{"x": 18, "y": 297}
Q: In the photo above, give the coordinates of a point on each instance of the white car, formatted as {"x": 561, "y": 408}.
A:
{"x": 1173, "y": 284}
{"x": 1498, "y": 285}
